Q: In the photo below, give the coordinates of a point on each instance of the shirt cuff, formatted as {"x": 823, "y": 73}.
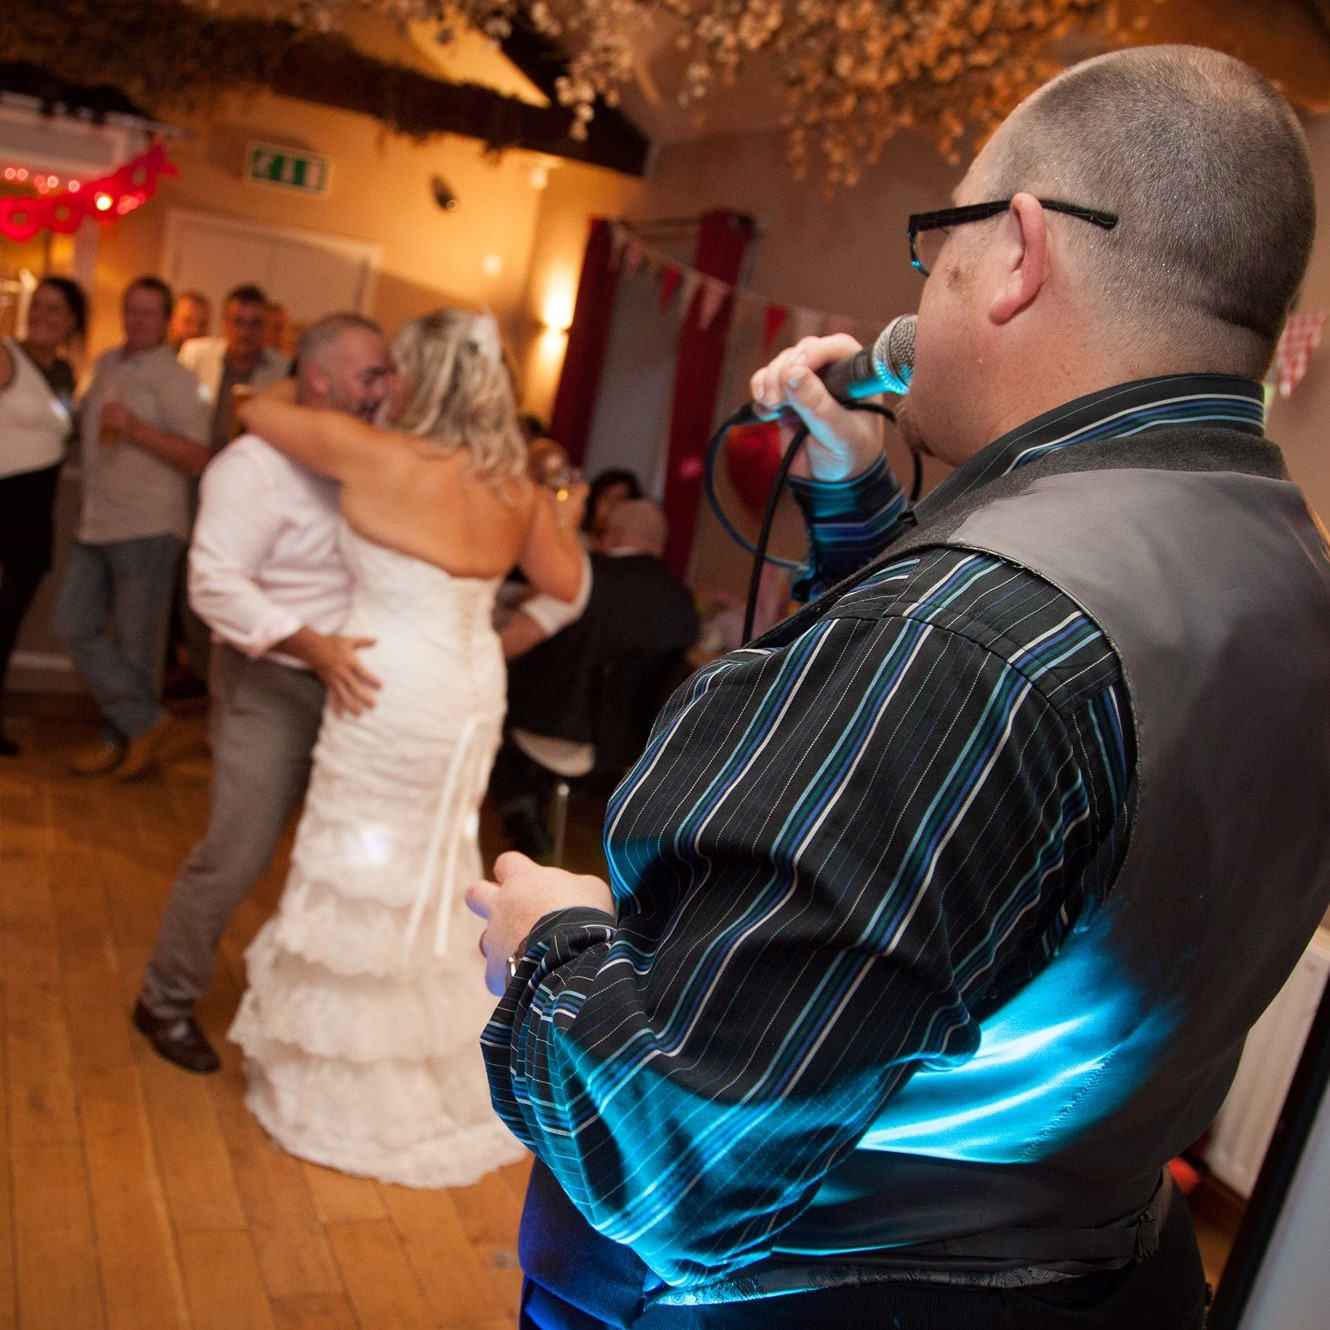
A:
{"x": 848, "y": 521}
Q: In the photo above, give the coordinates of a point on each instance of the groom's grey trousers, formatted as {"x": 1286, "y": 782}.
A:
{"x": 262, "y": 727}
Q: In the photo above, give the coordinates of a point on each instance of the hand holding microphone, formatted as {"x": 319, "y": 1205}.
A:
{"x": 812, "y": 378}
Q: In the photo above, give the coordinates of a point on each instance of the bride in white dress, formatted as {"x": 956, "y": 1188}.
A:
{"x": 366, "y": 992}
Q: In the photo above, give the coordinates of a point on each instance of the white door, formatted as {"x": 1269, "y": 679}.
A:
{"x": 312, "y": 274}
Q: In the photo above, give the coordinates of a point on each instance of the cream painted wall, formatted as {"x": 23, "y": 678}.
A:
{"x": 842, "y": 255}
{"x": 379, "y": 191}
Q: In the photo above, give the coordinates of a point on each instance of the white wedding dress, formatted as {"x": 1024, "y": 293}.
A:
{"x": 366, "y": 993}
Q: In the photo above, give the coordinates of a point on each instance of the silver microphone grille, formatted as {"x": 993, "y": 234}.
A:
{"x": 893, "y": 354}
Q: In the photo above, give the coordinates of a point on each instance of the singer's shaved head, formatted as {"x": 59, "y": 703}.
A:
{"x": 1206, "y": 167}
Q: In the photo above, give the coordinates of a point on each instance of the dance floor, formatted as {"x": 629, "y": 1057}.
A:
{"x": 136, "y": 1196}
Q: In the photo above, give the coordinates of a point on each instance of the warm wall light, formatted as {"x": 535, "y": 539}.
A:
{"x": 492, "y": 265}
{"x": 556, "y": 307}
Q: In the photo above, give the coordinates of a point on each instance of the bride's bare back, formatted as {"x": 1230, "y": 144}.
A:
{"x": 438, "y": 509}
{"x": 399, "y": 492}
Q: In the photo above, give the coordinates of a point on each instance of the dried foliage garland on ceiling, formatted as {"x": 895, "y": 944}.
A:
{"x": 172, "y": 57}
{"x": 161, "y": 55}
{"x": 851, "y": 72}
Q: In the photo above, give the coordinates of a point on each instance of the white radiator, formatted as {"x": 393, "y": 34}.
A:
{"x": 1247, "y": 1117}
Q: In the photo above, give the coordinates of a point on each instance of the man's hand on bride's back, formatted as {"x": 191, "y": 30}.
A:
{"x": 336, "y": 660}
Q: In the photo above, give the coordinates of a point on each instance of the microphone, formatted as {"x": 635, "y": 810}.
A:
{"x": 886, "y": 367}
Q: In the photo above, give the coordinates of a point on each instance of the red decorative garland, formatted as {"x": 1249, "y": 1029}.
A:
{"x": 109, "y": 197}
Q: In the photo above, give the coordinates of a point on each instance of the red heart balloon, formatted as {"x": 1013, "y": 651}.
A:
{"x": 752, "y": 461}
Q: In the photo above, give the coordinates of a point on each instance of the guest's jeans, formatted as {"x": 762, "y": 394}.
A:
{"x": 111, "y": 615}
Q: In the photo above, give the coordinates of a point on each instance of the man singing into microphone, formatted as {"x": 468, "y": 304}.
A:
{"x": 939, "y": 914}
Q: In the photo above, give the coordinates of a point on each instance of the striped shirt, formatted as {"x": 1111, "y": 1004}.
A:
{"x": 841, "y": 850}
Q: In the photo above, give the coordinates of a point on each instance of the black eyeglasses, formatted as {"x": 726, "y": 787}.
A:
{"x": 928, "y": 223}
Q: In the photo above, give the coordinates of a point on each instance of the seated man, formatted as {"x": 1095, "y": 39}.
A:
{"x": 583, "y": 694}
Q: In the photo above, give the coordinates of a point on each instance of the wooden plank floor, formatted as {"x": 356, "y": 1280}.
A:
{"x": 134, "y": 1195}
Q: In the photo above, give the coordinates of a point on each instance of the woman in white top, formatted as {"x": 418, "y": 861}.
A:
{"x": 366, "y": 996}
{"x": 36, "y": 389}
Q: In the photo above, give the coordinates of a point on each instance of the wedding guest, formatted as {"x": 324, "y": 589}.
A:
{"x": 142, "y": 429}
{"x": 238, "y": 358}
{"x": 608, "y": 490}
{"x": 584, "y": 684}
{"x": 276, "y": 327}
{"x": 36, "y": 421}
{"x": 191, "y": 317}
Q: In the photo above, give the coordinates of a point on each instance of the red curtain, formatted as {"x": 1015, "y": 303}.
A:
{"x": 588, "y": 338}
{"x": 723, "y": 237}
{"x": 721, "y": 242}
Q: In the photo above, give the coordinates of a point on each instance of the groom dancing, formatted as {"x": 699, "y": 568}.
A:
{"x": 266, "y": 576}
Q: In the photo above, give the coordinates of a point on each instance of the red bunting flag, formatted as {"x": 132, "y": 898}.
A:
{"x": 669, "y": 282}
{"x": 714, "y": 292}
{"x": 773, "y": 320}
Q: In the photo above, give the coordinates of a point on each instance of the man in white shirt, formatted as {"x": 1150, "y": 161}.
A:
{"x": 236, "y": 361}
{"x": 238, "y": 358}
{"x": 266, "y": 575}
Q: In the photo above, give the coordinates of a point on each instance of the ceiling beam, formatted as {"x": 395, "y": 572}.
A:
{"x": 129, "y": 43}
{"x": 539, "y": 59}
{"x": 335, "y": 74}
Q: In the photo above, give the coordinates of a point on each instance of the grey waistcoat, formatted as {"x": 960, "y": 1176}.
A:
{"x": 1214, "y": 589}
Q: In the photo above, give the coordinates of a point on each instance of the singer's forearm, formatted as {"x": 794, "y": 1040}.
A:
{"x": 848, "y": 524}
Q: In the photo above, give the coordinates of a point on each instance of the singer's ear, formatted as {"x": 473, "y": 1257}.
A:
{"x": 1023, "y": 255}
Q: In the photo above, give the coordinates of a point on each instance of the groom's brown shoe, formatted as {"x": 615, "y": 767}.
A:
{"x": 178, "y": 1039}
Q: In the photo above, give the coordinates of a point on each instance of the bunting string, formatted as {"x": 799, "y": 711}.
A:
{"x": 632, "y": 255}
{"x": 785, "y": 324}
{"x": 23, "y": 216}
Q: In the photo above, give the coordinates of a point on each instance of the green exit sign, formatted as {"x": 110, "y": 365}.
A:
{"x": 271, "y": 165}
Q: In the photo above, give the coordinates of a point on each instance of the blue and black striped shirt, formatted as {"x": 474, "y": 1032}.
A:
{"x": 835, "y": 857}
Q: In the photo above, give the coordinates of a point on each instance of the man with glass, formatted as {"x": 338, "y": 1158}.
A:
{"x": 918, "y": 963}
{"x": 143, "y": 428}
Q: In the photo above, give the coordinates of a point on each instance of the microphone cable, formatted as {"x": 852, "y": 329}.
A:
{"x": 744, "y": 415}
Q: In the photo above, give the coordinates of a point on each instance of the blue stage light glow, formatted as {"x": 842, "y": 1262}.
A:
{"x": 1062, "y": 1055}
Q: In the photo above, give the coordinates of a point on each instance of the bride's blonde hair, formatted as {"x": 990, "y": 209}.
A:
{"x": 460, "y": 391}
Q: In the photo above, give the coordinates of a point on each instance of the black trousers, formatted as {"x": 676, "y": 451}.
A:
{"x": 1166, "y": 1291}
{"x": 26, "y": 537}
